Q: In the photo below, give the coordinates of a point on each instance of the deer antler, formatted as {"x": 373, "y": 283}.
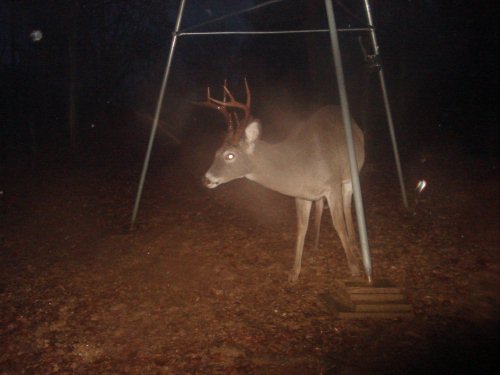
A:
{"x": 234, "y": 135}
{"x": 212, "y": 103}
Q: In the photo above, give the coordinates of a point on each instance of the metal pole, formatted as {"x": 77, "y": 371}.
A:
{"x": 346, "y": 117}
{"x": 157, "y": 114}
{"x": 386, "y": 103}
{"x": 264, "y": 32}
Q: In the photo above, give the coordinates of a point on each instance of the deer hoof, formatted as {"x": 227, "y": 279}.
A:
{"x": 293, "y": 277}
{"x": 355, "y": 271}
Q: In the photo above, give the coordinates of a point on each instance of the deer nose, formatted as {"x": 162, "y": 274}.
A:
{"x": 209, "y": 181}
{"x": 205, "y": 181}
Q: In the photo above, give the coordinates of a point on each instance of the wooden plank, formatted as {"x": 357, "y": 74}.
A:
{"x": 386, "y": 307}
{"x": 378, "y": 300}
{"x": 377, "y": 297}
{"x": 375, "y": 315}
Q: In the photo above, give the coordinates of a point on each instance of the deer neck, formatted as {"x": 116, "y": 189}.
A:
{"x": 272, "y": 166}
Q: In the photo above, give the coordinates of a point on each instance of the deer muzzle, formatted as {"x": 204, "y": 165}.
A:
{"x": 209, "y": 181}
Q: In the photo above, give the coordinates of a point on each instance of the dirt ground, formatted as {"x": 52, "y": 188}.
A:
{"x": 200, "y": 287}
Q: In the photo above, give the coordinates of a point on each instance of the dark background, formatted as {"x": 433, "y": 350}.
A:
{"x": 440, "y": 60}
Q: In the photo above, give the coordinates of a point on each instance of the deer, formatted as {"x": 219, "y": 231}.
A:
{"x": 311, "y": 165}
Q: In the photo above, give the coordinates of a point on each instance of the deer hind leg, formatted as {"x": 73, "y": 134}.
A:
{"x": 303, "y": 212}
{"x": 351, "y": 232}
{"x": 347, "y": 201}
{"x": 342, "y": 221}
{"x": 318, "y": 211}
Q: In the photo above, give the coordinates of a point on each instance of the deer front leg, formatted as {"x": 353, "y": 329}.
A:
{"x": 318, "y": 211}
{"x": 303, "y": 211}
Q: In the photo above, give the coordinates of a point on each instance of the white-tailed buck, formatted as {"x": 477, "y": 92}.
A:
{"x": 309, "y": 165}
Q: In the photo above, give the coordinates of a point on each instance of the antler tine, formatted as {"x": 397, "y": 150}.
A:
{"x": 228, "y": 93}
{"x": 249, "y": 100}
{"x": 246, "y": 108}
{"x": 247, "y": 90}
{"x": 231, "y": 117}
{"x": 235, "y": 104}
{"x": 225, "y": 88}
{"x": 212, "y": 103}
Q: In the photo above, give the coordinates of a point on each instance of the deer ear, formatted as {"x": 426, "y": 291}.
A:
{"x": 252, "y": 133}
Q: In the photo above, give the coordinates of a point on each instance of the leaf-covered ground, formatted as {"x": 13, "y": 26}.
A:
{"x": 200, "y": 287}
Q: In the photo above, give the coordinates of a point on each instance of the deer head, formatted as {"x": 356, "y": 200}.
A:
{"x": 233, "y": 159}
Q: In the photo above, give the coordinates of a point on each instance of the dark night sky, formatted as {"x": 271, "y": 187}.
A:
{"x": 440, "y": 59}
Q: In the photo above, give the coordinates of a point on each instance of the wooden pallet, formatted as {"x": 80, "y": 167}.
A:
{"x": 378, "y": 300}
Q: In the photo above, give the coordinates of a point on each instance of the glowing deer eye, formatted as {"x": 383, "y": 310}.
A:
{"x": 230, "y": 156}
